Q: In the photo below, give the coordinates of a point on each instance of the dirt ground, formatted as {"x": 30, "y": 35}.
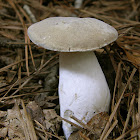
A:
{"x": 29, "y": 74}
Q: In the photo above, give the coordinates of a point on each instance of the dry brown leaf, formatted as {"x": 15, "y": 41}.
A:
{"x": 97, "y": 124}
{"x": 52, "y": 122}
{"x": 35, "y": 112}
{"x": 78, "y": 136}
{"x": 3, "y": 132}
{"x": 3, "y": 114}
{"x": 14, "y": 125}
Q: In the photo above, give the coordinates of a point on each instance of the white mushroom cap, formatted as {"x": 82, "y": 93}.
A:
{"x": 72, "y": 34}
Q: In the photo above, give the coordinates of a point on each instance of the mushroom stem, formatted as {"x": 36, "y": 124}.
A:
{"x": 83, "y": 90}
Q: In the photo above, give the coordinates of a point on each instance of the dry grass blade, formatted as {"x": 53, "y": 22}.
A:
{"x": 129, "y": 114}
{"x": 31, "y": 76}
{"x": 139, "y": 105}
{"x": 77, "y": 126}
{"x": 24, "y": 13}
{"x": 109, "y": 18}
{"x": 8, "y": 91}
{"x": 20, "y": 87}
{"x": 30, "y": 125}
{"x": 47, "y": 133}
{"x": 31, "y": 54}
{"x": 115, "y": 86}
{"x": 25, "y": 32}
{"x": 10, "y": 65}
{"x": 26, "y": 52}
{"x": 23, "y": 124}
{"x": 117, "y": 105}
{"x": 82, "y": 136}
{"x": 11, "y": 2}
{"x": 15, "y": 63}
{"x": 20, "y": 64}
{"x": 110, "y": 129}
{"x": 82, "y": 124}
{"x": 26, "y": 94}
{"x": 128, "y": 132}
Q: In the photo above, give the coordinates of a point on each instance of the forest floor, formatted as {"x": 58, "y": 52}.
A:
{"x": 29, "y": 102}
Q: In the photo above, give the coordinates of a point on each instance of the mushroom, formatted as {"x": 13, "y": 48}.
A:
{"x": 83, "y": 90}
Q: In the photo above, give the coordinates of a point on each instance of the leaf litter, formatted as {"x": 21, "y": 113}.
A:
{"x": 29, "y": 105}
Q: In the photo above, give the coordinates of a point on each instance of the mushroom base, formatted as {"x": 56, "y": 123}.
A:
{"x": 83, "y": 90}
